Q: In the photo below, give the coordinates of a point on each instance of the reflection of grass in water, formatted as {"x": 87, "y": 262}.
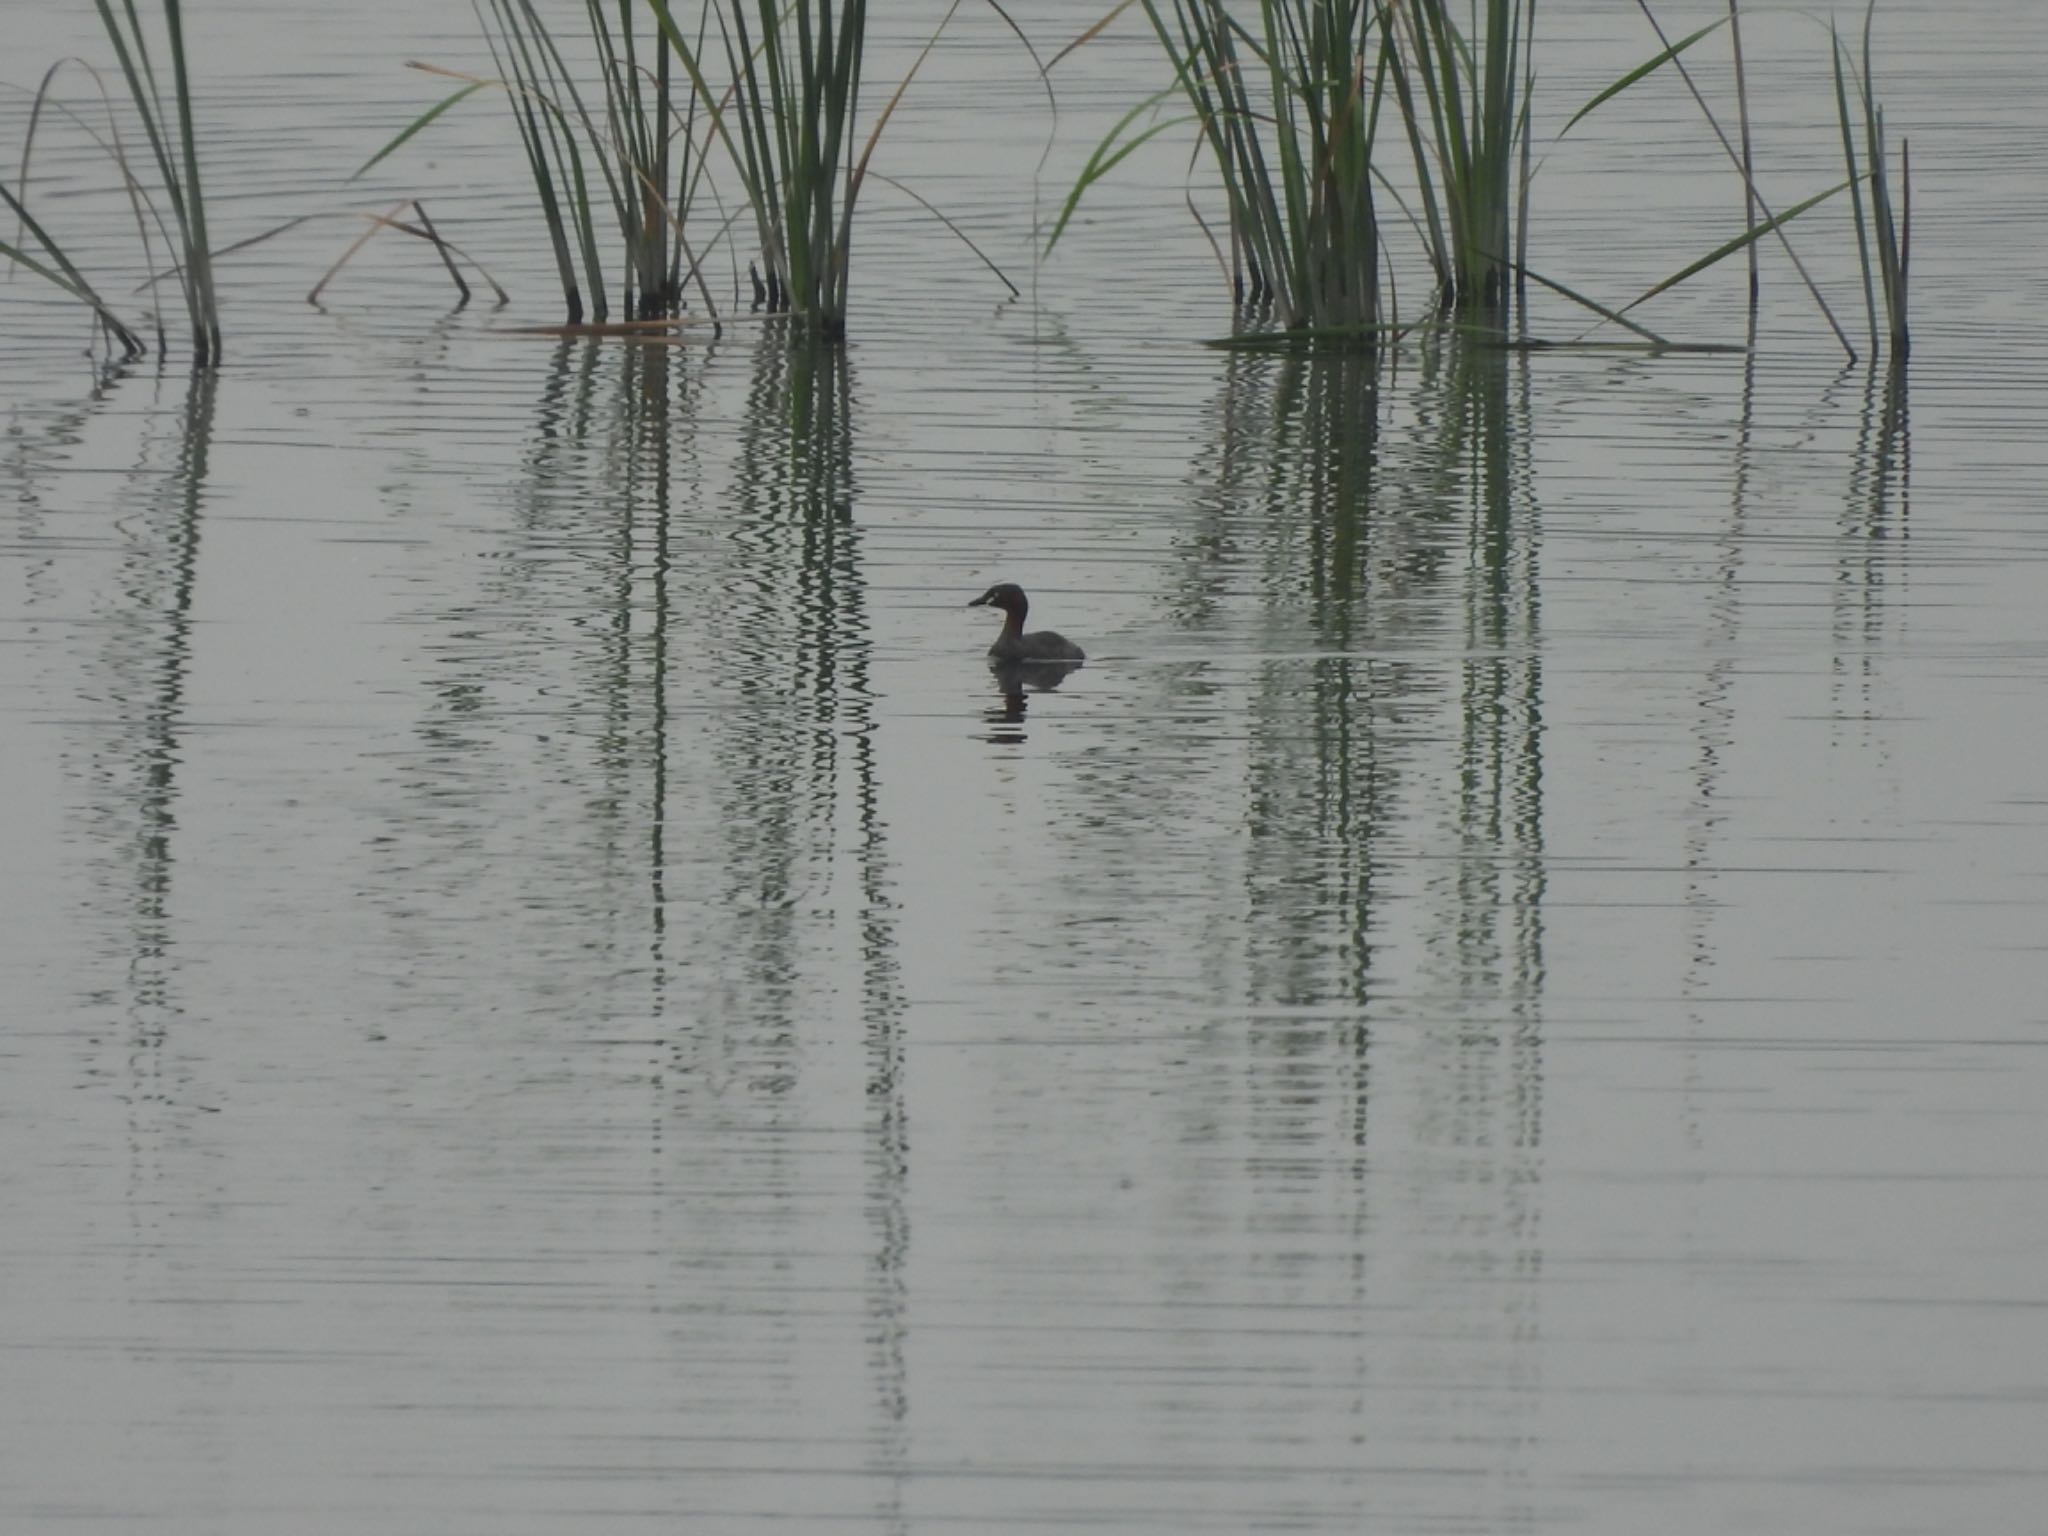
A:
{"x": 791, "y": 738}
{"x": 139, "y": 754}
{"x": 1362, "y": 545}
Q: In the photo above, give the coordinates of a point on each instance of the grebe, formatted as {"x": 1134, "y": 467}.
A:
{"x": 1013, "y": 644}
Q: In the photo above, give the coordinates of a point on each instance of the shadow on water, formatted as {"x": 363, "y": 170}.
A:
{"x": 543, "y": 730}
{"x": 1878, "y": 506}
{"x": 1483, "y": 445}
{"x": 787, "y": 640}
{"x": 1474, "y": 753}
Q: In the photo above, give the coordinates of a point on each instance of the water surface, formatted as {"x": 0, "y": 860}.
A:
{"x": 549, "y": 989}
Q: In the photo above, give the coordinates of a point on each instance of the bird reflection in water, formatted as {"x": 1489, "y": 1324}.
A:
{"x": 1015, "y": 681}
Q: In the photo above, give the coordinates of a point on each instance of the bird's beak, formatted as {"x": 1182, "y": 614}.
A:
{"x": 978, "y": 602}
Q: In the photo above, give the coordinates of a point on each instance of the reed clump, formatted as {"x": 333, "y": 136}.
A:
{"x": 167, "y": 125}
{"x": 618, "y": 149}
{"x": 783, "y": 119}
{"x": 792, "y": 158}
{"x": 1295, "y": 158}
{"x": 1464, "y": 103}
{"x": 794, "y": 68}
{"x": 1299, "y": 156}
{"x": 1889, "y": 231}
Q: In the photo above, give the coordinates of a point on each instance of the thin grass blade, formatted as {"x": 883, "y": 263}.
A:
{"x": 426, "y": 118}
{"x": 1722, "y": 252}
{"x": 1648, "y": 67}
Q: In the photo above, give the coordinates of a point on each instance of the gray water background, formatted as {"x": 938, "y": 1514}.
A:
{"x": 547, "y": 989}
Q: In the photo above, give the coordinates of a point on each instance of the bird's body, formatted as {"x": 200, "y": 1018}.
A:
{"x": 1013, "y": 645}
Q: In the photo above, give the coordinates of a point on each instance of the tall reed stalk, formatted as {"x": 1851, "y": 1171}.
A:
{"x": 628, "y": 141}
{"x": 177, "y": 159}
{"x": 173, "y": 144}
{"x": 1891, "y": 234}
{"x": 795, "y": 133}
{"x": 1295, "y": 157}
{"x": 795, "y": 70}
{"x": 1749, "y": 203}
{"x": 1303, "y": 223}
{"x": 1465, "y": 108}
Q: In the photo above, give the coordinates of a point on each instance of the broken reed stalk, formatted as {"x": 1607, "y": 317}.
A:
{"x": 423, "y": 230}
{"x": 441, "y": 250}
{"x": 61, "y": 271}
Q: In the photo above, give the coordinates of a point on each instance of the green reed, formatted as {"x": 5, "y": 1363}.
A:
{"x": 1286, "y": 95}
{"x": 62, "y": 271}
{"x": 1296, "y": 154}
{"x": 1892, "y": 234}
{"x": 624, "y": 157}
{"x": 1294, "y": 157}
{"x": 795, "y": 132}
{"x": 1464, "y": 101}
{"x": 795, "y": 72}
{"x": 173, "y": 144}
{"x": 177, "y": 158}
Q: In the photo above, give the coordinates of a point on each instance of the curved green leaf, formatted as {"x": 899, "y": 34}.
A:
{"x": 420, "y": 122}
{"x": 1656, "y": 62}
{"x": 1748, "y": 237}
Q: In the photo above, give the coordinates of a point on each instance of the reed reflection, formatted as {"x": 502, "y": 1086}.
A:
{"x": 544, "y": 731}
{"x": 1391, "y": 866}
{"x": 794, "y": 711}
{"x": 806, "y": 884}
{"x": 645, "y": 802}
{"x": 161, "y": 574}
{"x": 135, "y": 758}
{"x": 1410, "y": 578}
{"x": 1317, "y": 781}
{"x": 1876, "y": 527}
{"x": 1869, "y": 567}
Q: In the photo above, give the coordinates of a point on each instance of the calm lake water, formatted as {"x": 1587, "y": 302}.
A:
{"x": 547, "y": 989}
